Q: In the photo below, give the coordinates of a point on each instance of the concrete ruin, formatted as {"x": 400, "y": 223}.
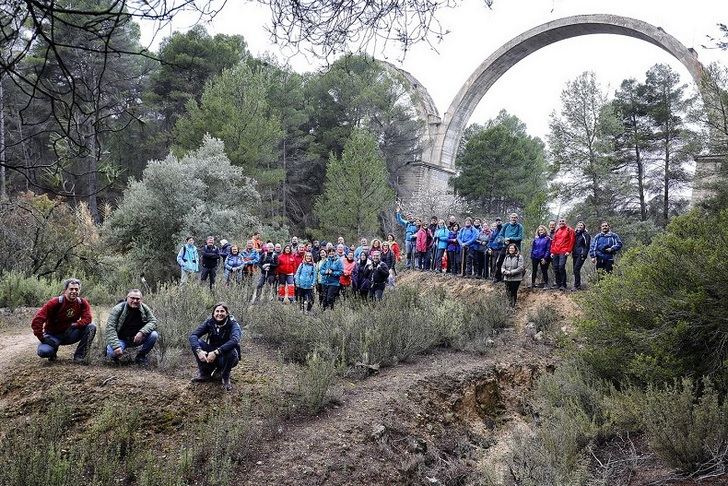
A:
{"x": 442, "y": 134}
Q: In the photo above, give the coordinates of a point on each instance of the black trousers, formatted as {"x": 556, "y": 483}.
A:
{"x": 487, "y": 264}
{"x": 478, "y": 262}
{"x": 330, "y": 294}
{"x": 577, "y": 264}
{"x": 453, "y": 261}
{"x": 537, "y": 263}
{"x": 208, "y": 272}
{"x": 470, "y": 256}
{"x": 512, "y": 292}
{"x": 605, "y": 265}
{"x": 223, "y": 363}
{"x": 376, "y": 291}
{"x": 305, "y": 298}
{"x": 498, "y": 257}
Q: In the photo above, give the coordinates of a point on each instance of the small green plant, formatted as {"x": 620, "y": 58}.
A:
{"x": 545, "y": 318}
{"x": 315, "y": 380}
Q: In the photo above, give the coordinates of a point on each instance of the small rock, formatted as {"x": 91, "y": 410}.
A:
{"x": 489, "y": 343}
{"x": 530, "y": 329}
{"x": 538, "y": 336}
{"x": 378, "y": 431}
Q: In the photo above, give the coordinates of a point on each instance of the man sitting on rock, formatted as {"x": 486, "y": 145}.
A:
{"x": 63, "y": 320}
{"x": 131, "y": 323}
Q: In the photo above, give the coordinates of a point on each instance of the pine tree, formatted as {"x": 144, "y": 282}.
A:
{"x": 355, "y": 191}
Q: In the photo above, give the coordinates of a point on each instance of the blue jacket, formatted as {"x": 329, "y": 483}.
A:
{"x": 495, "y": 242}
{"x": 188, "y": 258}
{"x": 410, "y": 228}
{"x": 468, "y": 236}
{"x": 602, "y": 242}
{"x": 225, "y": 338}
{"x": 337, "y": 269}
{"x": 541, "y": 247}
{"x": 250, "y": 257}
{"x": 512, "y": 232}
{"x": 452, "y": 245}
{"x": 441, "y": 235}
{"x": 233, "y": 261}
{"x": 305, "y": 277}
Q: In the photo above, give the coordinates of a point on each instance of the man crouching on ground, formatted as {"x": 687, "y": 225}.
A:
{"x": 64, "y": 320}
{"x": 131, "y": 324}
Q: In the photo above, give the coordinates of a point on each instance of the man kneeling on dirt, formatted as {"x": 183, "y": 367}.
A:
{"x": 63, "y": 320}
{"x": 131, "y": 324}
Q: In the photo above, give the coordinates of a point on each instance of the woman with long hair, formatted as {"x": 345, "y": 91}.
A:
{"x": 220, "y": 352}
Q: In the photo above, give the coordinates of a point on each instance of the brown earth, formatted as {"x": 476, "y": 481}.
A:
{"x": 435, "y": 420}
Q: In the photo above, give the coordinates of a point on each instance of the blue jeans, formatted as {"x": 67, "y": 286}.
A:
{"x": 84, "y": 336}
{"x": 144, "y": 349}
{"x": 560, "y": 269}
{"x": 409, "y": 248}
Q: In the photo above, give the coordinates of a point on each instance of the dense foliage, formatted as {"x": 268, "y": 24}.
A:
{"x": 663, "y": 316}
{"x": 198, "y": 194}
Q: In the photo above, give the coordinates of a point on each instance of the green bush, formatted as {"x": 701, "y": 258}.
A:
{"x": 544, "y": 317}
{"x": 17, "y": 290}
{"x": 662, "y": 315}
{"x": 315, "y": 379}
{"x": 690, "y": 435}
{"x": 179, "y": 310}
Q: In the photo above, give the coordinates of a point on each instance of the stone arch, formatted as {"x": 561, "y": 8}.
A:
{"x": 445, "y": 143}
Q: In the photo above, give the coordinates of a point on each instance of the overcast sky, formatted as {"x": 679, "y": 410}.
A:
{"x": 531, "y": 89}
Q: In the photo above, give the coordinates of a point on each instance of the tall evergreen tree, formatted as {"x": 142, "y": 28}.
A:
{"x": 667, "y": 105}
{"x": 634, "y": 139}
{"x": 501, "y": 167}
{"x": 355, "y": 191}
{"x": 235, "y": 109}
{"x": 580, "y": 141}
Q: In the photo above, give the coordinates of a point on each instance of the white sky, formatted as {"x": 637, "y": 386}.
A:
{"x": 531, "y": 89}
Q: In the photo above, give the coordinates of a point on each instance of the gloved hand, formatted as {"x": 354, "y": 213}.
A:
{"x": 266, "y": 266}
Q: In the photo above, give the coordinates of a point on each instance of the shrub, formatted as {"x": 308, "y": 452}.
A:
{"x": 179, "y": 310}
{"x": 690, "y": 435}
{"x": 315, "y": 379}
{"x": 544, "y": 317}
{"x": 17, "y": 290}
{"x": 199, "y": 194}
{"x": 662, "y": 315}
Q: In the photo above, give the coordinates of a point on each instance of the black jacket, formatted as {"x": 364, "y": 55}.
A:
{"x": 581, "y": 244}
{"x": 225, "y": 338}
{"x": 380, "y": 275}
{"x": 210, "y": 256}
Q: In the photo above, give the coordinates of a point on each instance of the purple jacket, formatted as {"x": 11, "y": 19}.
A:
{"x": 541, "y": 247}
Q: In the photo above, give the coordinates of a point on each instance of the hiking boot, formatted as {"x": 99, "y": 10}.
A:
{"x": 226, "y": 384}
{"x": 78, "y": 360}
{"x": 141, "y": 360}
{"x": 201, "y": 378}
{"x": 52, "y": 358}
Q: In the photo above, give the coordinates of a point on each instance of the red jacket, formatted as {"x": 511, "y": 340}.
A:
{"x": 57, "y": 315}
{"x": 298, "y": 257}
{"x": 286, "y": 264}
{"x": 345, "y": 278}
{"x": 394, "y": 246}
{"x": 421, "y": 237}
{"x": 563, "y": 241}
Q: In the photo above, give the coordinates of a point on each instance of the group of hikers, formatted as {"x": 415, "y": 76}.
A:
{"x": 131, "y": 328}
{"x": 294, "y": 270}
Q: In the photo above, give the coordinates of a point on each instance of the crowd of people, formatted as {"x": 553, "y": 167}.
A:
{"x": 298, "y": 271}
{"x": 301, "y": 272}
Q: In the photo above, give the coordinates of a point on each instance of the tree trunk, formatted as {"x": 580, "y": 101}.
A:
{"x": 640, "y": 172}
{"x": 92, "y": 167}
{"x": 666, "y": 195}
{"x": 3, "y": 181}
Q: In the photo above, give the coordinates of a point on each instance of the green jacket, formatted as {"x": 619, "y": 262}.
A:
{"x": 116, "y": 320}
